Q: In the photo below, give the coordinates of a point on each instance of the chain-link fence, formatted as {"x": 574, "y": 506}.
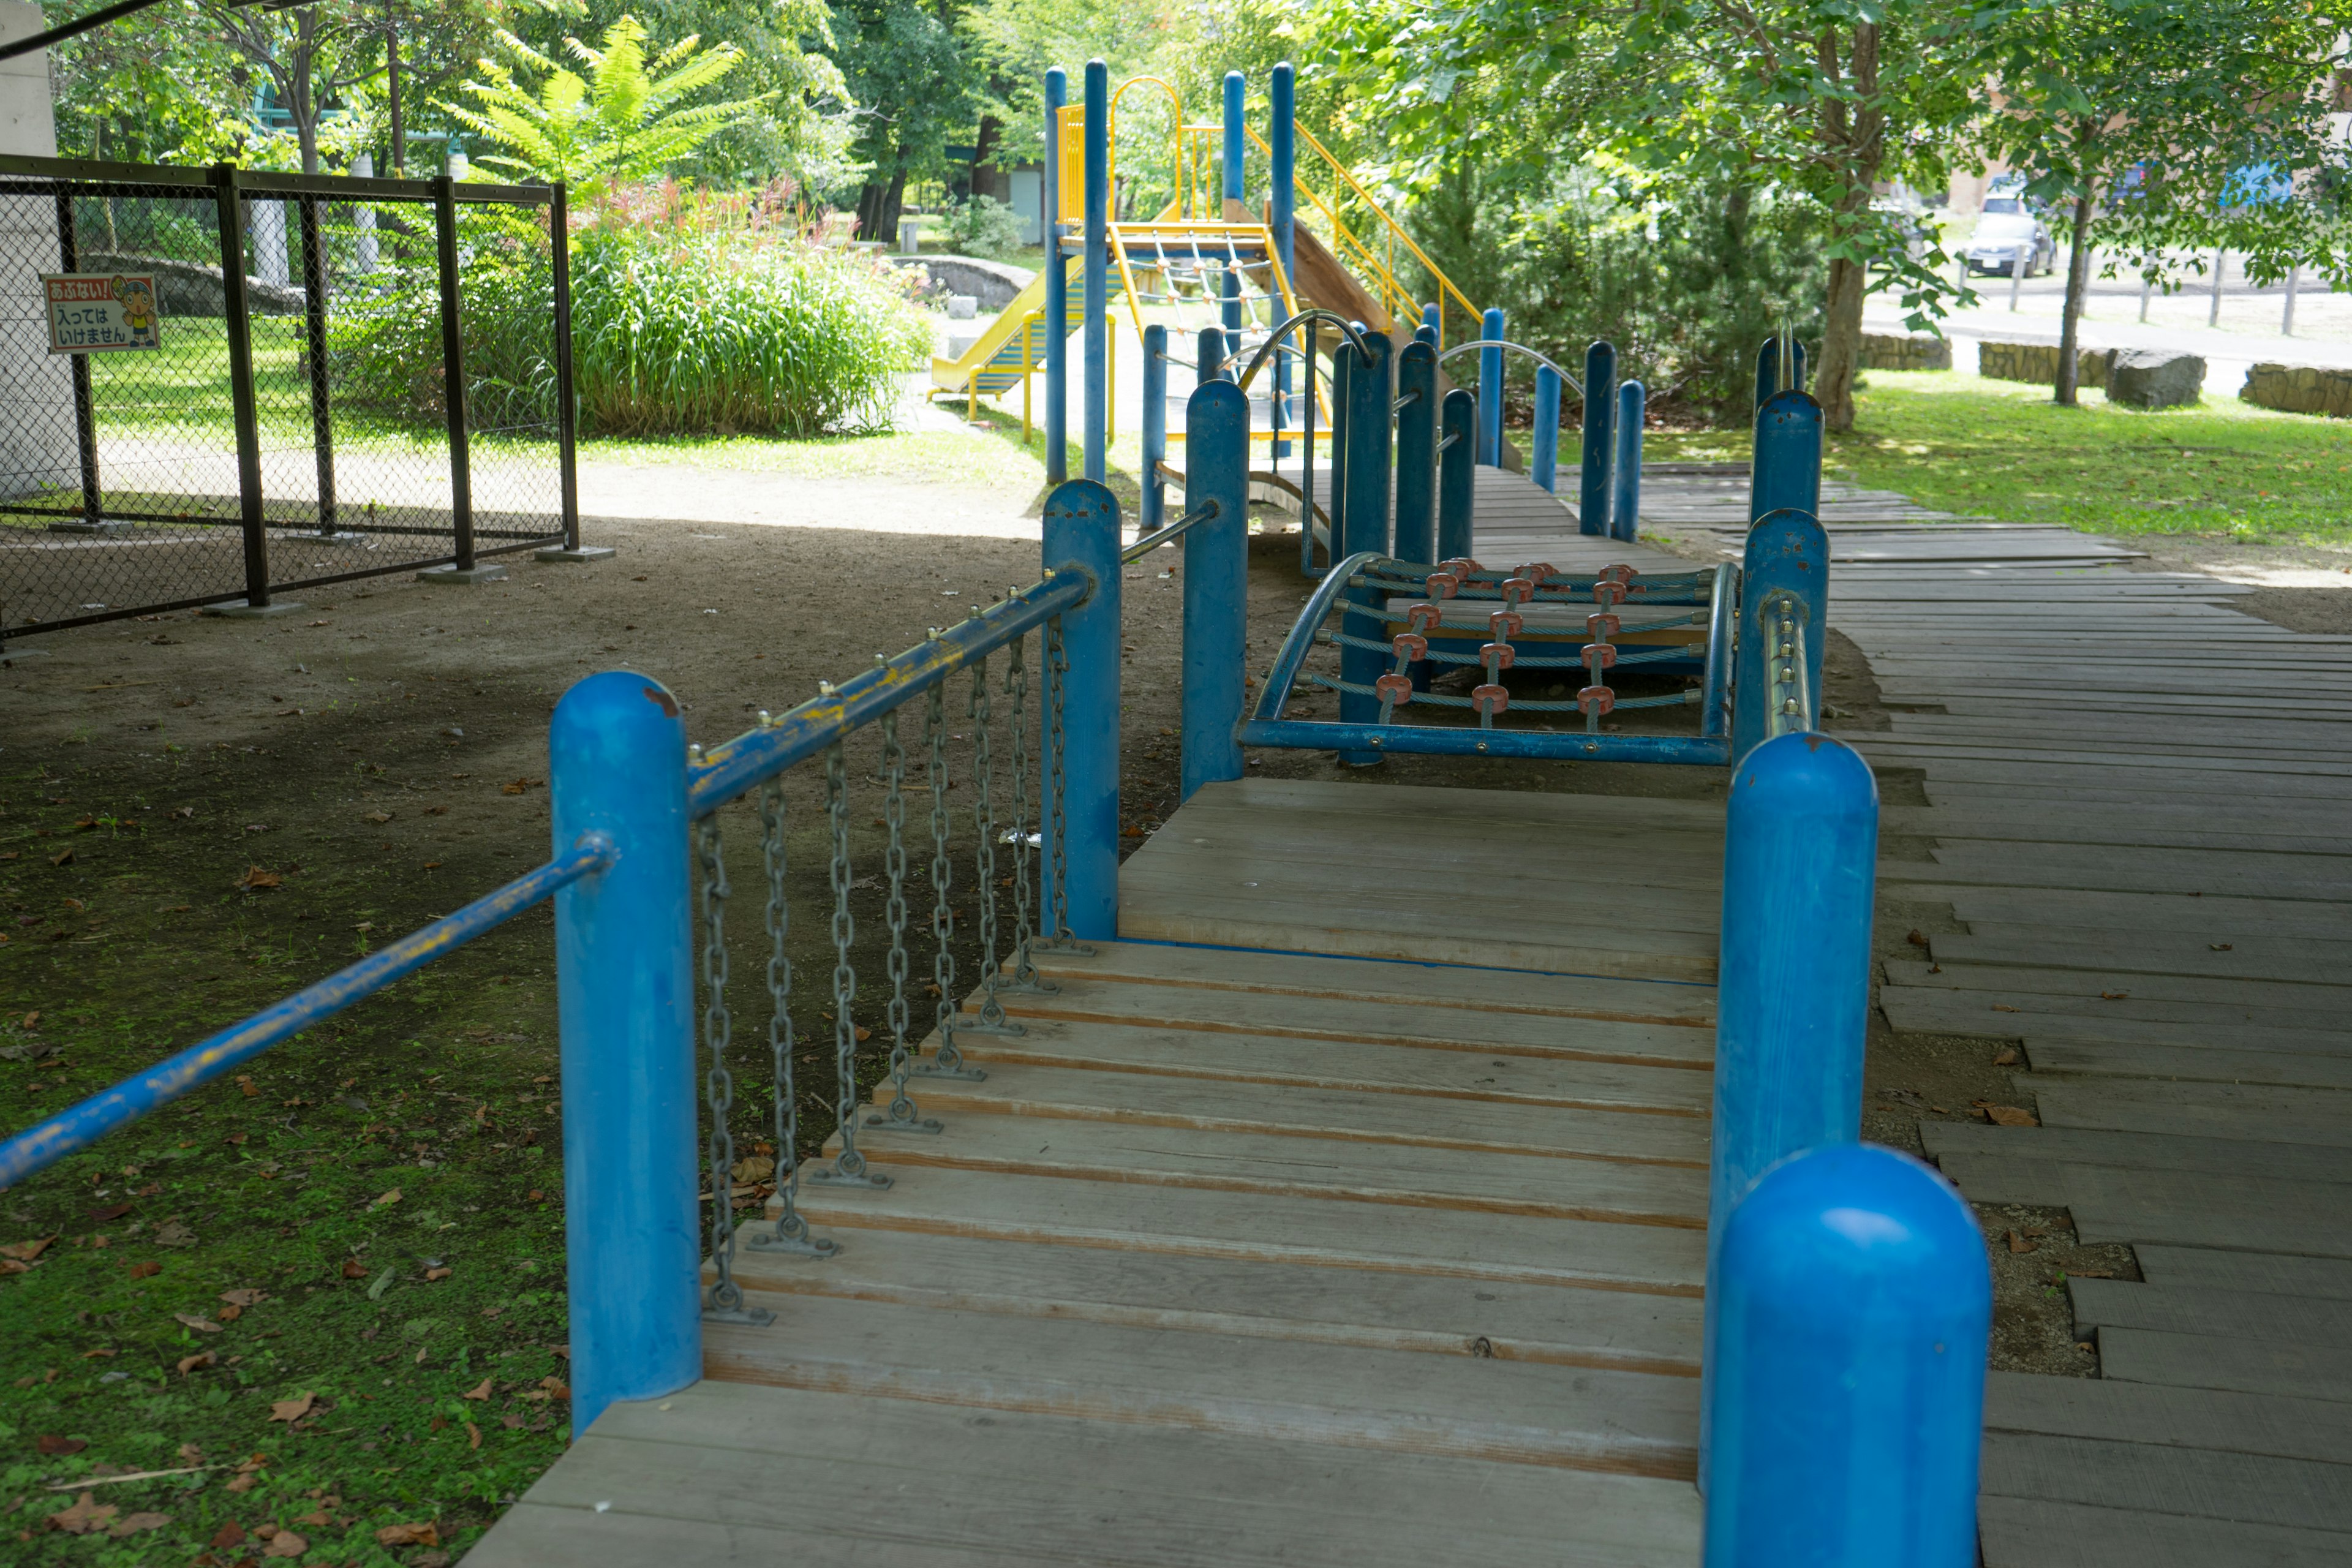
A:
{"x": 236, "y": 432}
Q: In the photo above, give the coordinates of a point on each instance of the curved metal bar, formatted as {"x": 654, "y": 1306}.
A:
{"x": 78, "y": 1126}
{"x": 1514, "y": 348}
{"x": 1714, "y": 717}
{"x": 1301, "y": 640}
{"x": 1274, "y": 335}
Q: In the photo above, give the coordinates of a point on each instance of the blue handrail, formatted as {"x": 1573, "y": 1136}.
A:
{"x": 78, "y": 1126}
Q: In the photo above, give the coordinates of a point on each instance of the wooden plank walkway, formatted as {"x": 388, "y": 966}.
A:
{"x": 2138, "y": 810}
{"x": 1281, "y": 1249}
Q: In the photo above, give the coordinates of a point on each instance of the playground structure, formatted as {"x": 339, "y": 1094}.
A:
{"x": 1258, "y": 1086}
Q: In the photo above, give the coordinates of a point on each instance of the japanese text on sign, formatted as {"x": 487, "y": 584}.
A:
{"x": 100, "y": 313}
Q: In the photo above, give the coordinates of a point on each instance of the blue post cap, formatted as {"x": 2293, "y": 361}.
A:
{"x": 1846, "y": 1393}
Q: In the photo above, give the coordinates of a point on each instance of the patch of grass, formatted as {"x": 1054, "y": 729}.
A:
{"x": 1993, "y": 449}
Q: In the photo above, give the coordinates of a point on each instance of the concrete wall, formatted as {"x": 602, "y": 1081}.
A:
{"x": 1900, "y": 351}
{"x": 2299, "y": 389}
{"x": 37, "y": 426}
{"x": 2037, "y": 364}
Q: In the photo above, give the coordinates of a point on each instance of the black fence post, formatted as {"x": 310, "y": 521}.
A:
{"x": 567, "y": 414}
{"x": 237, "y": 309}
{"x": 452, "y": 372}
{"x": 85, "y": 414}
{"x": 314, "y": 312}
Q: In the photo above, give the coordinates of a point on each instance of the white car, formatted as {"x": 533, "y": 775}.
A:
{"x": 2007, "y": 229}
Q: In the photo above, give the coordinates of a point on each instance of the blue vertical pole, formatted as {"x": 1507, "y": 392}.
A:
{"x": 1367, "y": 524}
{"x": 1846, "y": 1395}
{"x": 1211, "y": 342}
{"x": 624, "y": 1005}
{"x": 1155, "y": 427}
{"x": 1600, "y": 419}
{"x": 1097, "y": 267}
{"x": 1456, "y": 484}
{"x": 1057, "y": 289}
{"x": 1544, "y": 461}
{"x": 1216, "y": 582}
{"x": 1490, "y": 391}
{"x": 1768, "y": 368}
{"x": 1433, "y": 321}
{"x": 1784, "y": 467}
{"x": 1792, "y": 987}
{"x": 1082, "y": 530}
{"x": 1625, "y": 506}
{"x": 1230, "y": 187}
{"x": 1784, "y": 574}
{"x": 1282, "y": 203}
{"x": 1416, "y": 455}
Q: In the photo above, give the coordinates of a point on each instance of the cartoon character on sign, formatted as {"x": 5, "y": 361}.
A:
{"x": 138, "y": 301}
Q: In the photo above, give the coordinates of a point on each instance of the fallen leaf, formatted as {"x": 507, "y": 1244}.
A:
{"x": 2114, "y": 995}
{"x": 755, "y": 1168}
{"x": 132, "y": 1524}
{"x": 2018, "y": 1244}
{"x": 245, "y": 1296}
{"x": 242, "y": 1483}
{"x": 355, "y": 1269}
{"x": 2010, "y": 1116}
{"x": 286, "y": 1544}
{"x": 191, "y": 1454}
{"x": 188, "y": 1364}
{"x": 519, "y": 786}
{"x": 27, "y": 1251}
{"x": 2220, "y": 946}
{"x": 229, "y": 1534}
{"x": 2006, "y": 1057}
{"x": 1916, "y": 939}
{"x": 292, "y": 1409}
{"x": 438, "y": 1273}
{"x": 317, "y": 1516}
{"x": 55, "y": 1444}
{"x": 144, "y": 1270}
{"x": 256, "y": 878}
{"x": 378, "y": 816}
{"x": 252, "y": 1464}
{"x": 171, "y": 1233}
{"x": 425, "y": 1534}
{"x": 555, "y": 1387}
{"x": 31, "y": 1020}
{"x": 94, "y": 1355}
{"x": 2005, "y": 1007}
{"x": 110, "y": 1211}
{"x": 473, "y": 1435}
{"x": 62, "y": 858}
{"x": 481, "y": 1393}
{"x": 387, "y": 1200}
{"x": 230, "y": 1314}
{"x": 202, "y": 1325}
{"x": 432, "y": 865}
{"x": 86, "y": 1515}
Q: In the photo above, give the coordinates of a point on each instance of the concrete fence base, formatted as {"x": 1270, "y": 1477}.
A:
{"x": 2299, "y": 389}
{"x": 1901, "y": 351}
{"x": 2037, "y": 364}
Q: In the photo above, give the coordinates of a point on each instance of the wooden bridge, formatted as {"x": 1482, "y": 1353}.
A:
{"x": 1298, "y": 1227}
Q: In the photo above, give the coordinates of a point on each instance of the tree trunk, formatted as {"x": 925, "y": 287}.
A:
{"x": 984, "y": 149}
{"x": 1841, "y": 346}
{"x": 1857, "y": 142}
{"x": 2078, "y": 283}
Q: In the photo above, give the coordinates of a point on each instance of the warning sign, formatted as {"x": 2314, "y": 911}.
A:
{"x": 98, "y": 313}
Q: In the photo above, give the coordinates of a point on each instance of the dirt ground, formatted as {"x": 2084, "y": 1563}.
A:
{"x": 197, "y": 815}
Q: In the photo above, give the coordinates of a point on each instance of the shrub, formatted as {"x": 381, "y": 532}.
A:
{"x": 689, "y": 316}
{"x": 983, "y": 227}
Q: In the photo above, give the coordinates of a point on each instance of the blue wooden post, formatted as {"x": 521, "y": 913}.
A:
{"x": 1282, "y": 202}
{"x": 1082, "y": 529}
{"x": 625, "y": 1005}
{"x": 1626, "y": 503}
{"x": 1211, "y": 342}
{"x": 1490, "y": 391}
{"x": 1792, "y": 986}
{"x": 1057, "y": 289}
{"x": 1230, "y": 149}
{"x": 1097, "y": 270}
{"x": 1784, "y": 468}
{"x": 1155, "y": 427}
{"x": 1846, "y": 1390}
{"x": 1593, "y": 494}
{"x": 1544, "y": 461}
{"x": 1367, "y": 417}
{"x": 1216, "y": 582}
{"x": 1416, "y": 455}
{"x": 1456, "y": 485}
{"x": 1787, "y": 559}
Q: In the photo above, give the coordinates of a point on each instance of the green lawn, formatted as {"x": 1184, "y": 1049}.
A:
{"x": 1997, "y": 448}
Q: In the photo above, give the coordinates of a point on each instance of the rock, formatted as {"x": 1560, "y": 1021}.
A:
{"x": 963, "y": 307}
{"x": 993, "y": 283}
{"x": 1899, "y": 350}
{"x": 2155, "y": 378}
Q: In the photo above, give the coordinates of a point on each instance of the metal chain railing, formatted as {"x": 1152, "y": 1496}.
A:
{"x": 848, "y": 1168}
{"x": 790, "y": 1233}
{"x": 725, "y": 1300}
{"x": 901, "y": 1115}
{"x": 1058, "y": 856}
{"x": 991, "y": 1019}
{"x": 946, "y": 1061}
{"x": 1025, "y": 926}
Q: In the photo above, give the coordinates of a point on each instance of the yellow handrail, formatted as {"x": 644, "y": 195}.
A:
{"x": 1344, "y": 238}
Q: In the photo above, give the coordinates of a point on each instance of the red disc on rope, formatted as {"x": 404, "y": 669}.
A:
{"x": 1497, "y": 655}
{"x": 1609, "y": 591}
{"x": 1502, "y": 625}
{"x": 1423, "y": 617}
{"x": 1441, "y": 585}
{"x": 1490, "y": 698}
{"x": 1599, "y": 655}
{"x": 1619, "y": 573}
{"x": 1411, "y": 645}
{"x": 1600, "y": 624}
{"x": 1596, "y": 700}
{"x": 1460, "y": 566}
{"x": 1517, "y": 590}
{"x": 1538, "y": 570}
{"x": 1394, "y": 688}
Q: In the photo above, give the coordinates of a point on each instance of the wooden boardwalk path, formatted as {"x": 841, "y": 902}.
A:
{"x": 1239, "y": 1256}
{"x": 1299, "y": 1227}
